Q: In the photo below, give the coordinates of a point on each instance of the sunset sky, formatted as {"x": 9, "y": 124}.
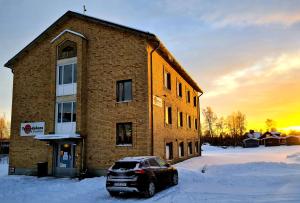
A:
{"x": 244, "y": 54}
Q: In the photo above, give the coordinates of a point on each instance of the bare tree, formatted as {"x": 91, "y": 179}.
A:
{"x": 220, "y": 125}
{"x": 210, "y": 119}
{"x": 3, "y": 128}
{"x": 236, "y": 124}
{"x": 271, "y": 125}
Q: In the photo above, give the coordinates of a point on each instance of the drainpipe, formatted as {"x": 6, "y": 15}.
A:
{"x": 199, "y": 124}
{"x": 151, "y": 94}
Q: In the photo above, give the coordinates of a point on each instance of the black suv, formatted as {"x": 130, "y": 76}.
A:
{"x": 143, "y": 175}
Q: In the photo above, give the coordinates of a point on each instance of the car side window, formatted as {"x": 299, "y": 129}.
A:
{"x": 145, "y": 164}
{"x": 161, "y": 162}
{"x": 153, "y": 163}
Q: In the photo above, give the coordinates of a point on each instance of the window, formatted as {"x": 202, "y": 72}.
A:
{"x": 67, "y": 74}
{"x": 67, "y": 50}
{"x": 179, "y": 89}
{"x": 181, "y": 149}
{"x": 168, "y": 115}
{"x": 153, "y": 163}
{"x": 160, "y": 162}
{"x": 196, "y": 123}
{"x": 180, "y": 119}
{"x": 188, "y": 121}
{"x": 66, "y": 112}
{"x": 197, "y": 147}
{"x": 124, "y": 90}
{"x": 169, "y": 151}
{"x": 190, "y": 148}
{"x": 195, "y": 101}
{"x": 188, "y": 96}
{"x": 124, "y": 134}
{"x": 167, "y": 80}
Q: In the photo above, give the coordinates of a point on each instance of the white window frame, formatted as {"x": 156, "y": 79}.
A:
{"x": 66, "y": 89}
{"x": 65, "y": 127}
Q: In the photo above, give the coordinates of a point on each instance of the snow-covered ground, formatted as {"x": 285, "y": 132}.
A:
{"x": 231, "y": 175}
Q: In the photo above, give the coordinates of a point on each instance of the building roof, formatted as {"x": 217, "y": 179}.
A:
{"x": 149, "y": 36}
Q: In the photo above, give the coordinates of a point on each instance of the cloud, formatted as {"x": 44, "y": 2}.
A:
{"x": 239, "y": 13}
{"x": 265, "y": 69}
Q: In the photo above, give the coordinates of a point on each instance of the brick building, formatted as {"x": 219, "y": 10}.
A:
{"x": 95, "y": 91}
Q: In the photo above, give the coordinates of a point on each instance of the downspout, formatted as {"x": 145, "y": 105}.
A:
{"x": 199, "y": 124}
{"x": 151, "y": 95}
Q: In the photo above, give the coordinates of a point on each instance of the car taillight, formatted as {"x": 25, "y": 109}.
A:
{"x": 139, "y": 171}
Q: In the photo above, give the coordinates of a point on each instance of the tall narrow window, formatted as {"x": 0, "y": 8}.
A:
{"x": 188, "y": 121}
{"x": 190, "y": 148}
{"x": 168, "y": 115}
{"x": 196, "y": 123}
{"x": 59, "y": 112}
{"x": 169, "y": 151}
{"x": 67, "y": 112}
{"x": 195, "y": 101}
{"x": 124, "y": 90}
{"x": 179, "y": 89}
{"x": 180, "y": 119}
{"x": 74, "y": 112}
{"x": 167, "y": 80}
{"x": 188, "y": 96}
{"x": 181, "y": 149}
{"x": 124, "y": 134}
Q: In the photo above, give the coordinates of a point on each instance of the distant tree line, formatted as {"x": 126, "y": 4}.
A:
{"x": 223, "y": 131}
{"x": 4, "y": 128}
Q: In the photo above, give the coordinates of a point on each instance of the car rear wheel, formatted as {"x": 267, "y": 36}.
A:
{"x": 175, "y": 179}
{"x": 150, "y": 190}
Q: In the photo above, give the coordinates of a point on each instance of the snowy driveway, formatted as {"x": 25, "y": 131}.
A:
{"x": 231, "y": 175}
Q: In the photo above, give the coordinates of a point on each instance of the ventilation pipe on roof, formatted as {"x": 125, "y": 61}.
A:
{"x": 151, "y": 94}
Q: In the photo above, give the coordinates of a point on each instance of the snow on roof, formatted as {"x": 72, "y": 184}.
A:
{"x": 56, "y": 136}
{"x": 254, "y": 135}
{"x": 136, "y": 158}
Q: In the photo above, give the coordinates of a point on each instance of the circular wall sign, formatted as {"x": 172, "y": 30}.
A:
{"x": 27, "y": 129}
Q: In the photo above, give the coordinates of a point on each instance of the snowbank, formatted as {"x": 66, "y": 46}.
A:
{"x": 231, "y": 175}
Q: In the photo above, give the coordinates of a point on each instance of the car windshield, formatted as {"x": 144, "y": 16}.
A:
{"x": 124, "y": 165}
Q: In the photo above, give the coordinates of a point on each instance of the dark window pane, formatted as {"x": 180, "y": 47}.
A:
{"x": 60, "y": 75}
{"x": 170, "y": 115}
{"x": 59, "y": 112}
{"x": 124, "y": 133}
{"x": 67, "y": 74}
{"x": 74, "y": 73}
{"x": 160, "y": 162}
{"x": 74, "y": 112}
{"x": 127, "y": 90}
{"x": 124, "y": 90}
{"x": 195, "y": 101}
{"x": 124, "y": 165}
{"x": 152, "y": 162}
{"x": 67, "y": 112}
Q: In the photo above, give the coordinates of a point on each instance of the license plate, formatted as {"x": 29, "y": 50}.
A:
{"x": 120, "y": 184}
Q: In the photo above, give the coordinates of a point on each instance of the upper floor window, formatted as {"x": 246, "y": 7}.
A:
{"x": 188, "y": 121}
{"x": 124, "y": 90}
{"x": 179, "y": 89}
{"x": 124, "y": 134}
{"x": 180, "y": 119}
{"x": 195, "y": 101}
{"x": 196, "y": 123}
{"x": 66, "y": 112}
{"x": 188, "y": 96}
{"x": 67, "y": 74}
{"x": 67, "y": 49}
{"x": 167, "y": 80}
{"x": 168, "y": 115}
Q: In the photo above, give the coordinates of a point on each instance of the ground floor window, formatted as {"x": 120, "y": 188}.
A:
{"x": 190, "y": 148}
{"x": 169, "y": 151}
{"x": 181, "y": 149}
{"x": 197, "y": 147}
{"x": 124, "y": 134}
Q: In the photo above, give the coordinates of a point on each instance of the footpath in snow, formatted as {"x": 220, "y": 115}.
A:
{"x": 231, "y": 175}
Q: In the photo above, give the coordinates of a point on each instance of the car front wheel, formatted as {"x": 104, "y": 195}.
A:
{"x": 150, "y": 190}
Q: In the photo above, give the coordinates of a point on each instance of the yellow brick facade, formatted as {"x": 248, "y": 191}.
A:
{"x": 106, "y": 54}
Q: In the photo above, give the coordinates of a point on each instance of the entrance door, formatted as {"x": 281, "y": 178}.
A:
{"x": 65, "y": 159}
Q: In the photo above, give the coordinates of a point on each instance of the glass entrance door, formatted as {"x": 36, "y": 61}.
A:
{"x": 65, "y": 155}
